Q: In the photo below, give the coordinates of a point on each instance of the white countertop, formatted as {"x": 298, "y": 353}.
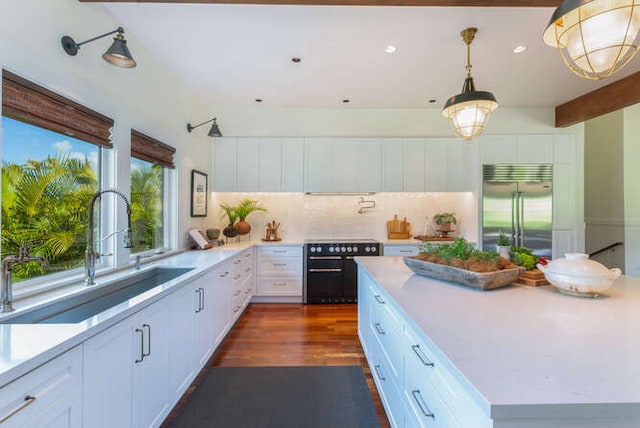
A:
{"x": 23, "y": 347}
{"x": 528, "y": 350}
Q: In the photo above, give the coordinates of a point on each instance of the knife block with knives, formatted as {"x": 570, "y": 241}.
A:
{"x": 398, "y": 229}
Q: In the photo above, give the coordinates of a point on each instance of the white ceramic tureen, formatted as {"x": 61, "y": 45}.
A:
{"x": 577, "y": 275}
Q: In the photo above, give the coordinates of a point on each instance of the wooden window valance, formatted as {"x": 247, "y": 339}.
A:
{"x": 28, "y": 102}
{"x": 151, "y": 150}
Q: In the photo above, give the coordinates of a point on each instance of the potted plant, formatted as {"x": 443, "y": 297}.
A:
{"x": 503, "y": 245}
{"x": 244, "y": 208}
{"x": 445, "y": 220}
{"x": 230, "y": 231}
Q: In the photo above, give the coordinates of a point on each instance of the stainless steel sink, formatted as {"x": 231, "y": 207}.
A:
{"x": 77, "y": 308}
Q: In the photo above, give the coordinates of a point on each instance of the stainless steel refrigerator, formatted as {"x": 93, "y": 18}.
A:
{"x": 517, "y": 200}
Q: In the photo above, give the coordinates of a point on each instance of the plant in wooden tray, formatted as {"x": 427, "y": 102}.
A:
{"x": 523, "y": 256}
{"x": 462, "y": 255}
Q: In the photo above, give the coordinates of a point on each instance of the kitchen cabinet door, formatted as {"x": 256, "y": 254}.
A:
{"x": 292, "y": 164}
{"x": 182, "y": 359}
{"x": 392, "y": 152}
{"x": 345, "y": 165}
{"x": 563, "y": 197}
{"x": 270, "y": 155}
{"x": 437, "y": 165}
{"x": 318, "y": 160}
{"x": 414, "y": 165}
{"x": 247, "y": 165}
{"x": 499, "y": 148}
{"x": 224, "y": 164}
{"x": 368, "y": 165}
{"x": 535, "y": 148}
{"x": 217, "y": 285}
{"x": 463, "y": 167}
{"x": 150, "y": 333}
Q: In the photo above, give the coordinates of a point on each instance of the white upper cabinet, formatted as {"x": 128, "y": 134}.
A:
{"x": 224, "y": 164}
{"x": 270, "y": 158}
{"x": 414, "y": 165}
{"x": 318, "y": 165}
{"x": 292, "y": 164}
{"x": 392, "y": 152}
{"x": 524, "y": 148}
{"x": 248, "y": 165}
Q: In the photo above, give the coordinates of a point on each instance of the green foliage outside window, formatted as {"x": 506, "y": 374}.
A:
{"x": 146, "y": 205}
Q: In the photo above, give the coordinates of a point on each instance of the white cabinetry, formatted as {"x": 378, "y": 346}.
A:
{"x": 241, "y": 280}
{"x": 342, "y": 165}
{"x": 524, "y": 148}
{"x": 127, "y": 364}
{"x": 279, "y": 271}
{"x": 49, "y": 396}
{"x": 401, "y": 250}
{"x": 416, "y": 387}
{"x": 258, "y": 164}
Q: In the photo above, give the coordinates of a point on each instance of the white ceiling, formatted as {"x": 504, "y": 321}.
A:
{"x": 233, "y": 54}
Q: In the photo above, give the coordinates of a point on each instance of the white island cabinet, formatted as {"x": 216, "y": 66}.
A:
{"x": 444, "y": 355}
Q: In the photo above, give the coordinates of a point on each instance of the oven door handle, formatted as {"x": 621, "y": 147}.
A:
{"x": 325, "y": 270}
{"x": 325, "y": 258}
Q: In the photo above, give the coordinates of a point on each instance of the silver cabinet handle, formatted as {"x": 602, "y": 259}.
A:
{"x": 378, "y": 328}
{"x": 325, "y": 270}
{"x": 423, "y": 406}
{"x": 139, "y": 360}
{"x": 279, "y": 251}
{"x": 197, "y": 290}
{"x": 28, "y": 400}
{"x": 201, "y": 301}
{"x": 222, "y": 275}
{"x": 148, "y": 327}
{"x": 405, "y": 251}
{"x": 325, "y": 258}
{"x": 421, "y": 356}
{"x": 235, "y": 262}
{"x": 379, "y": 299}
{"x": 378, "y": 373}
{"x": 279, "y": 264}
{"x": 279, "y": 283}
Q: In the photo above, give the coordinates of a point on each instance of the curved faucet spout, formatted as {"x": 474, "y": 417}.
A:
{"x": 91, "y": 254}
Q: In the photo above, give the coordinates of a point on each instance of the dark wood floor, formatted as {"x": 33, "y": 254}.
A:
{"x": 288, "y": 334}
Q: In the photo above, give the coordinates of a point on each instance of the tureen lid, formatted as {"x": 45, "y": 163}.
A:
{"x": 577, "y": 264}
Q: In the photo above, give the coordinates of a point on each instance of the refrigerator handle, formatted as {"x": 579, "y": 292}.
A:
{"x": 521, "y": 220}
{"x": 513, "y": 218}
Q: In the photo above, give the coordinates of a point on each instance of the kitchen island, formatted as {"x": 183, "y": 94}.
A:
{"x": 511, "y": 357}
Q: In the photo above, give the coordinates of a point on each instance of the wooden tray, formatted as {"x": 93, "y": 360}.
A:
{"x": 479, "y": 280}
{"x": 433, "y": 238}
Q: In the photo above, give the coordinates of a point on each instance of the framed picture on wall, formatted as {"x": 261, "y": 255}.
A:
{"x": 198, "y": 194}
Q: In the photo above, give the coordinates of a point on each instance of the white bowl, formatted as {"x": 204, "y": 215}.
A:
{"x": 577, "y": 275}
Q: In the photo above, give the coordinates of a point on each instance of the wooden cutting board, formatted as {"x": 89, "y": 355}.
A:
{"x": 398, "y": 229}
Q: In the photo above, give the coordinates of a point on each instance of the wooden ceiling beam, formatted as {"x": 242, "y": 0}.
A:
{"x": 449, "y": 3}
{"x": 619, "y": 94}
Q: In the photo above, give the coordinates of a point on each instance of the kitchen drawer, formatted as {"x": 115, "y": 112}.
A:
{"x": 421, "y": 363}
{"x": 289, "y": 286}
{"x": 424, "y": 406}
{"x": 280, "y": 266}
{"x": 387, "y": 328}
{"x": 52, "y": 392}
{"x": 390, "y": 392}
{"x": 401, "y": 250}
{"x": 279, "y": 251}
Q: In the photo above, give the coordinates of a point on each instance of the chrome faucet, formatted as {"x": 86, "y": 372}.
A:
{"x": 91, "y": 255}
{"x": 23, "y": 256}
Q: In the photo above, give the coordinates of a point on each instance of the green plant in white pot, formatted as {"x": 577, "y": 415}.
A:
{"x": 503, "y": 245}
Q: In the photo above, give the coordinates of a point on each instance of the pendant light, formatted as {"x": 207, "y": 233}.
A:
{"x": 596, "y": 38}
{"x": 469, "y": 111}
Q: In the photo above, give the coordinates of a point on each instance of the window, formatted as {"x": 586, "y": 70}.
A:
{"x": 52, "y": 149}
{"x": 149, "y": 160}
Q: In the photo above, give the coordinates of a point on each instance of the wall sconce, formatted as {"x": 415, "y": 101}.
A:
{"x": 118, "y": 54}
{"x": 595, "y": 38}
{"x": 213, "y": 132}
{"x": 468, "y": 112}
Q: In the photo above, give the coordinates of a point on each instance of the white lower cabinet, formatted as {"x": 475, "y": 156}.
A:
{"x": 49, "y": 396}
{"x": 416, "y": 388}
{"x": 401, "y": 250}
{"x": 125, "y": 371}
{"x": 279, "y": 271}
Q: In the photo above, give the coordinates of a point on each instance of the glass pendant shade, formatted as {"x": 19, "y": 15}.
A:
{"x": 595, "y": 38}
{"x": 468, "y": 112}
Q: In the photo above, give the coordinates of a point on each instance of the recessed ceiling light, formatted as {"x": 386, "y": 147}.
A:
{"x": 520, "y": 49}
{"x": 346, "y": 101}
{"x": 390, "y": 49}
{"x": 431, "y": 101}
{"x": 296, "y": 59}
{"x": 258, "y": 100}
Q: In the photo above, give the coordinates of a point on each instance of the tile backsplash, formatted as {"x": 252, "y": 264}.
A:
{"x": 320, "y": 216}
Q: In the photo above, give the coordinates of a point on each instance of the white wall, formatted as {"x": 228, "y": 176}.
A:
{"x": 632, "y": 190}
{"x": 324, "y": 216}
{"x": 148, "y": 98}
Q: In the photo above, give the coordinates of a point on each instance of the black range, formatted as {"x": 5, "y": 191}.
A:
{"x": 330, "y": 273}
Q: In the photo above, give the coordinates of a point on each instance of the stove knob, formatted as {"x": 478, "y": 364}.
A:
{"x": 331, "y": 249}
{"x": 348, "y": 249}
{"x": 343, "y": 249}
{"x": 374, "y": 249}
{"x": 355, "y": 249}
{"x": 312, "y": 249}
{"x": 367, "y": 249}
{"x": 319, "y": 249}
